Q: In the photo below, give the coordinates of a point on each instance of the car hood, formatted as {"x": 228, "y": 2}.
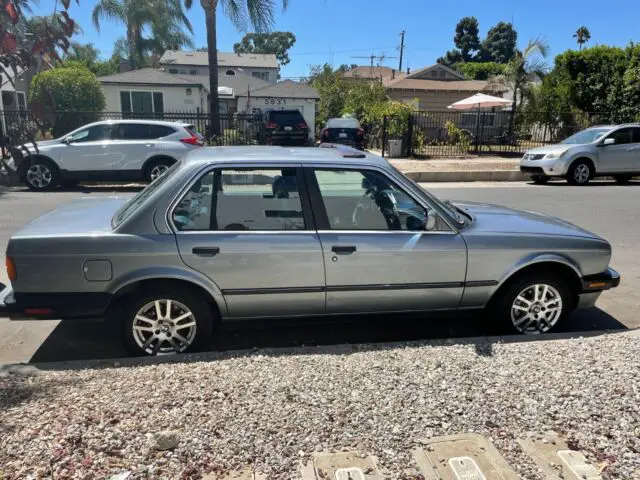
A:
{"x": 559, "y": 147}
{"x": 83, "y": 216}
{"x": 498, "y": 219}
{"x": 40, "y": 144}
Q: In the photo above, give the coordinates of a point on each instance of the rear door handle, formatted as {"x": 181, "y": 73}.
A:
{"x": 343, "y": 250}
{"x": 205, "y": 251}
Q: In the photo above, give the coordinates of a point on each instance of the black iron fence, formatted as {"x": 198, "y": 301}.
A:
{"x": 462, "y": 133}
{"x": 18, "y": 127}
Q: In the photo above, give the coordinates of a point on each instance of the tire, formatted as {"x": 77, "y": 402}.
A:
{"x": 622, "y": 179}
{"x": 539, "y": 179}
{"x": 42, "y": 175}
{"x": 156, "y": 167}
{"x": 541, "y": 316}
{"x": 580, "y": 172}
{"x": 189, "y": 334}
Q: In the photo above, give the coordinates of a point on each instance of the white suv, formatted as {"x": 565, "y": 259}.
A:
{"x": 123, "y": 150}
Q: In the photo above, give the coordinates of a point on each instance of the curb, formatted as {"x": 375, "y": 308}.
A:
{"x": 469, "y": 176}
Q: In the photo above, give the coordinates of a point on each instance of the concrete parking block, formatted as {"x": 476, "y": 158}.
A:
{"x": 462, "y": 457}
{"x": 554, "y": 457}
{"x": 341, "y": 466}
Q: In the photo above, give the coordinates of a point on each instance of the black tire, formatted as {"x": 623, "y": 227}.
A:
{"x": 580, "y": 172}
{"x": 539, "y": 179}
{"x": 622, "y": 179}
{"x": 151, "y": 168}
{"x": 523, "y": 285}
{"x": 41, "y": 175}
{"x": 201, "y": 311}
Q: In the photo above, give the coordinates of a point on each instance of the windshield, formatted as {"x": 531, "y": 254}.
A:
{"x": 446, "y": 206}
{"x": 586, "y": 136}
{"x": 134, "y": 202}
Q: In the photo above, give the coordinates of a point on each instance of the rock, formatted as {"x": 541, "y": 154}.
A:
{"x": 166, "y": 440}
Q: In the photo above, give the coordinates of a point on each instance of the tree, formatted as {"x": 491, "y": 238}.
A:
{"x": 466, "y": 38}
{"x": 500, "y": 44}
{"x": 257, "y": 13}
{"x": 451, "y": 58}
{"x": 88, "y": 56}
{"x": 480, "y": 70}
{"x": 275, "y": 43}
{"x": 65, "y": 92}
{"x": 165, "y": 18}
{"x": 332, "y": 90}
{"x": 582, "y": 36}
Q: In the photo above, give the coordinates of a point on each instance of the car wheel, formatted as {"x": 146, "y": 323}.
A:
{"x": 157, "y": 168}
{"x": 535, "y": 304}
{"x": 622, "y": 179}
{"x": 580, "y": 173}
{"x": 41, "y": 176}
{"x": 539, "y": 179}
{"x": 167, "y": 321}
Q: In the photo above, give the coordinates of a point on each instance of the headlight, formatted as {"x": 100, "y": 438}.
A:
{"x": 553, "y": 155}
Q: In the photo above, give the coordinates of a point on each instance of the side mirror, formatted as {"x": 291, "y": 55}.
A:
{"x": 608, "y": 141}
{"x": 68, "y": 140}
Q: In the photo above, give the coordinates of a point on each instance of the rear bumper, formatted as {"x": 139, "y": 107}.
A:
{"x": 52, "y": 306}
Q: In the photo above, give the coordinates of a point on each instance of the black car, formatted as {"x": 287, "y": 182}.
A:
{"x": 346, "y": 131}
{"x": 285, "y": 127}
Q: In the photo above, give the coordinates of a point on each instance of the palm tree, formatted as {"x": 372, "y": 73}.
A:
{"x": 582, "y": 36}
{"x": 258, "y": 13}
{"x": 522, "y": 71}
{"x": 160, "y": 16}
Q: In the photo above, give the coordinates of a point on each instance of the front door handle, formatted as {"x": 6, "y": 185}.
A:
{"x": 343, "y": 250}
{"x": 205, "y": 251}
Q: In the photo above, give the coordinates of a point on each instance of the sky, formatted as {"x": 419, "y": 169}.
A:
{"x": 336, "y": 31}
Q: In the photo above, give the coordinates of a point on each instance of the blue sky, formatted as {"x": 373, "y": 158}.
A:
{"x": 334, "y": 31}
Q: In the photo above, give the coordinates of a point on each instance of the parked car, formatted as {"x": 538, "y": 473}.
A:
{"x": 346, "y": 131}
{"x": 285, "y": 127}
{"x": 608, "y": 150}
{"x": 251, "y": 232}
{"x": 125, "y": 150}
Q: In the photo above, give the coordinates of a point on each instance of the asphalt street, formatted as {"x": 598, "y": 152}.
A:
{"x": 604, "y": 208}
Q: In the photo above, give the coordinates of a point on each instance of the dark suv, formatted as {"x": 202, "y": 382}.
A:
{"x": 285, "y": 127}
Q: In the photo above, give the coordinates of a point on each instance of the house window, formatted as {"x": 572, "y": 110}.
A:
{"x": 231, "y": 73}
{"x": 141, "y": 102}
{"x": 173, "y": 70}
{"x": 193, "y": 72}
{"x": 183, "y": 72}
{"x": 22, "y": 101}
{"x": 261, "y": 75}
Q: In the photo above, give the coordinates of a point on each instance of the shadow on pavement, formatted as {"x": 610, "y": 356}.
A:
{"x": 90, "y": 341}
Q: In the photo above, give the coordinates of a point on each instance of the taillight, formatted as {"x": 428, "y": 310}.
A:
{"x": 302, "y": 125}
{"x": 360, "y": 132}
{"x": 192, "y": 141}
{"x": 11, "y": 269}
{"x": 325, "y": 132}
{"x": 271, "y": 125}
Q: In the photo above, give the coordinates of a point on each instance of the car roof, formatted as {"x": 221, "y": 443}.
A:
{"x": 140, "y": 120}
{"x": 270, "y": 154}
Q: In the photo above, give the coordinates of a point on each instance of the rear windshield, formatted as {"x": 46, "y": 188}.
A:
{"x": 343, "y": 123}
{"x": 287, "y": 117}
{"x": 134, "y": 202}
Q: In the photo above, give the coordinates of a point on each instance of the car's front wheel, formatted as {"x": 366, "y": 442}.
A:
{"x": 534, "y": 304}
{"x": 167, "y": 321}
{"x": 580, "y": 172}
{"x": 41, "y": 176}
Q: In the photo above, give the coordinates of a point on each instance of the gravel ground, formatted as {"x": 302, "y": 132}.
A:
{"x": 269, "y": 409}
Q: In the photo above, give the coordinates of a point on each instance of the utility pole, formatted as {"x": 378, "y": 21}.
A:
{"x": 401, "y": 49}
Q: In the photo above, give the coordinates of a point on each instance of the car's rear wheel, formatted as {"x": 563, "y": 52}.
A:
{"x": 157, "y": 168}
{"x": 534, "y": 304}
{"x": 622, "y": 179}
{"x": 580, "y": 172}
{"x": 42, "y": 176}
{"x": 167, "y": 321}
{"x": 539, "y": 179}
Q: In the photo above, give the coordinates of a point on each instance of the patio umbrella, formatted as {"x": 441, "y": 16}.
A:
{"x": 478, "y": 101}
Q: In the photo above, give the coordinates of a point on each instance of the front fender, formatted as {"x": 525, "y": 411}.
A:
{"x": 170, "y": 273}
{"x": 537, "y": 258}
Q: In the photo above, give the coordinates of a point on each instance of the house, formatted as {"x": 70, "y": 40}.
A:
{"x": 368, "y": 73}
{"x": 13, "y": 99}
{"x": 261, "y": 66}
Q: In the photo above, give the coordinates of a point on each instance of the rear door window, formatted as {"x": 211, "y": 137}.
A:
{"x": 134, "y": 131}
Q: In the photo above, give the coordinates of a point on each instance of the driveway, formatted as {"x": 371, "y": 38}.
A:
{"x": 603, "y": 208}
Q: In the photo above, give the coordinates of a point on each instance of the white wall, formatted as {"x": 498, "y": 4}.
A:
{"x": 175, "y": 97}
{"x": 306, "y": 107}
{"x": 187, "y": 70}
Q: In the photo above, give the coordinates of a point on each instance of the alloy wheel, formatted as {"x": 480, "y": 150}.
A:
{"x": 157, "y": 171}
{"x": 163, "y": 327}
{"x": 39, "y": 176}
{"x": 536, "y": 309}
{"x": 581, "y": 173}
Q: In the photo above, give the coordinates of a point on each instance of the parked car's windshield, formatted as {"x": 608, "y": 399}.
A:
{"x": 586, "y": 136}
{"x": 134, "y": 202}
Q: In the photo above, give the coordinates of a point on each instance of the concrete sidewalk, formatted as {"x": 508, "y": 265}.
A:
{"x": 474, "y": 169}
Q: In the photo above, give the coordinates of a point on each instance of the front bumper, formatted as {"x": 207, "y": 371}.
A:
{"x": 549, "y": 167}
{"x": 601, "y": 281}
